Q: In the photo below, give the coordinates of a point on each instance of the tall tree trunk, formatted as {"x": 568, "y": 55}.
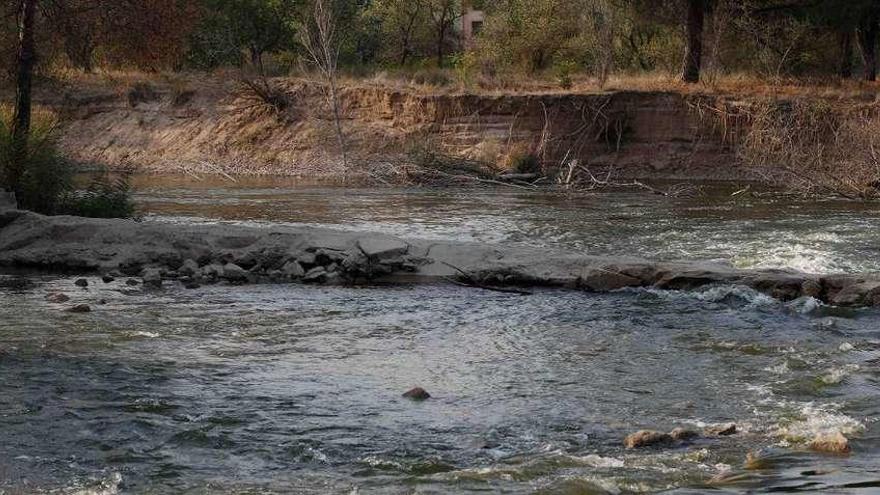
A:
{"x": 846, "y": 54}
{"x": 441, "y": 40}
{"x": 21, "y": 121}
{"x": 693, "y": 57}
{"x": 868, "y": 33}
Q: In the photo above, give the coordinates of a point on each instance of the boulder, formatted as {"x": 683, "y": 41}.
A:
{"x": 57, "y": 297}
{"x": 293, "y": 270}
{"x": 317, "y": 274}
{"x": 234, "y": 273}
{"x": 811, "y": 288}
{"x": 152, "y": 278}
{"x": 107, "y": 279}
{"x": 212, "y": 271}
{"x": 80, "y": 308}
{"x": 683, "y": 434}
{"x": 81, "y": 282}
{"x": 189, "y": 268}
{"x": 417, "y": 394}
{"x": 382, "y": 248}
{"x": 856, "y": 294}
{"x": 830, "y": 443}
{"x": 646, "y": 438}
{"x": 721, "y": 430}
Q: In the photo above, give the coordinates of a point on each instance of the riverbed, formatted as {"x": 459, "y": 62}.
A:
{"x": 290, "y": 388}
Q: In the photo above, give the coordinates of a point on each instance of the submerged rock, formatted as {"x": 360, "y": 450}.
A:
{"x": 57, "y": 297}
{"x": 107, "y": 279}
{"x": 646, "y": 438}
{"x": 683, "y": 434}
{"x": 81, "y": 282}
{"x": 80, "y": 308}
{"x": 417, "y": 394}
{"x": 830, "y": 443}
{"x": 132, "y": 282}
{"x": 721, "y": 430}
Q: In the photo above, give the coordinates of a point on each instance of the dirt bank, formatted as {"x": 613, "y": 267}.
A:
{"x": 195, "y": 254}
{"x": 217, "y": 125}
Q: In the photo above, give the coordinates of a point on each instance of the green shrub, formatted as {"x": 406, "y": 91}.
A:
{"x": 106, "y": 196}
{"x": 44, "y": 183}
{"x": 564, "y": 70}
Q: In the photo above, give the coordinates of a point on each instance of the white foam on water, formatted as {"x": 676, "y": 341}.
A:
{"x": 837, "y": 374}
{"x": 818, "y": 419}
{"x": 598, "y": 461}
{"x": 107, "y": 486}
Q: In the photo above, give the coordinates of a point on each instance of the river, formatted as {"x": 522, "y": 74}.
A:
{"x": 296, "y": 389}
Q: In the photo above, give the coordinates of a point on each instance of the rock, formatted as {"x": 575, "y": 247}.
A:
{"x": 382, "y": 248}
{"x": 764, "y": 458}
{"x": 234, "y": 273}
{"x": 417, "y": 393}
{"x": 721, "y": 430}
{"x": 57, "y": 297}
{"x": 188, "y": 268}
{"x": 683, "y": 434}
{"x": 646, "y": 438}
{"x": 856, "y": 294}
{"x": 212, "y": 271}
{"x": 191, "y": 284}
{"x": 107, "y": 279}
{"x": 307, "y": 259}
{"x": 80, "y": 308}
{"x": 81, "y": 282}
{"x": 132, "y": 282}
{"x": 811, "y": 288}
{"x": 293, "y": 270}
{"x": 333, "y": 279}
{"x": 152, "y": 278}
{"x": 316, "y": 274}
{"x": 602, "y": 280}
{"x": 830, "y": 443}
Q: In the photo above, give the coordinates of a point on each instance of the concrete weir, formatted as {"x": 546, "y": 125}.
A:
{"x": 192, "y": 254}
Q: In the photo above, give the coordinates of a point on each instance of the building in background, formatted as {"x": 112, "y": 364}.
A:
{"x": 472, "y": 20}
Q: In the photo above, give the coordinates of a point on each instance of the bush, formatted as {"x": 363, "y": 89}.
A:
{"x": 45, "y": 182}
{"x": 106, "y": 196}
{"x": 815, "y": 147}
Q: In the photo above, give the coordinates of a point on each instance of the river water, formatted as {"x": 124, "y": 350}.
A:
{"x": 294, "y": 389}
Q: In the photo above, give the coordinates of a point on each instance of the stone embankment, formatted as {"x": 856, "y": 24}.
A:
{"x": 160, "y": 254}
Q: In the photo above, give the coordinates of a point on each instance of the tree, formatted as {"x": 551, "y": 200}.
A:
{"x": 443, "y": 14}
{"x": 693, "y": 58}
{"x": 402, "y": 20}
{"x": 257, "y": 27}
{"x": 868, "y": 31}
{"x": 320, "y": 40}
{"x": 21, "y": 120}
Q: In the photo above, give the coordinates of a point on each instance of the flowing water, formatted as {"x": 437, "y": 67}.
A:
{"x": 295, "y": 389}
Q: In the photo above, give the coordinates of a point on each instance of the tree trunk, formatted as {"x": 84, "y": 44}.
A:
{"x": 846, "y": 54}
{"x": 257, "y": 60}
{"x": 693, "y": 57}
{"x": 868, "y": 33}
{"x": 21, "y": 121}
{"x": 441, "y": 40}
